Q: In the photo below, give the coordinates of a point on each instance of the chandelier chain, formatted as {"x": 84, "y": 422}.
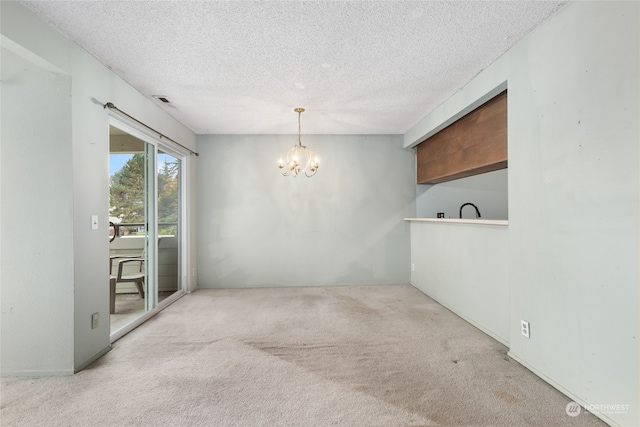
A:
{"x": 299, "y": 131}
{"x": 299, "y": 110}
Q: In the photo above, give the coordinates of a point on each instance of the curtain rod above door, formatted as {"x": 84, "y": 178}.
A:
{"x": 110, "y": 106}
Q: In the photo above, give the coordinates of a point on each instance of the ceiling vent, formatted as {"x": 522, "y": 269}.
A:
{"x": 162, "y": 98}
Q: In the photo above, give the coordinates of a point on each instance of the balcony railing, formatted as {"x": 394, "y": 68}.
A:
{"x": 138, "y": 228}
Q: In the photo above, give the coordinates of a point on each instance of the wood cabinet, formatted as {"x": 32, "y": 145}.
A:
{"x": 474, "y": 144}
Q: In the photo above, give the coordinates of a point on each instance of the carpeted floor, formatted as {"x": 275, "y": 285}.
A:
{"x": 340, "y": 356}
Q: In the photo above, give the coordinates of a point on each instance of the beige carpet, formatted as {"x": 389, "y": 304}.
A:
{"x": 323, "y": 356}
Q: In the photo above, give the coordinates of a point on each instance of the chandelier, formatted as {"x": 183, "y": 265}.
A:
{"x": 299, "y": 157}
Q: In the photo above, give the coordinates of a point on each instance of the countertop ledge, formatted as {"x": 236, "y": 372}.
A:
{"x": 462, "y": 221}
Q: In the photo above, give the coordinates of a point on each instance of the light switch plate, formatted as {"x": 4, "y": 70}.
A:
{"x": 94, "y": 222}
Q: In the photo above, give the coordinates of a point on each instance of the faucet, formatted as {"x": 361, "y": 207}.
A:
{"x": 477, "y": 211}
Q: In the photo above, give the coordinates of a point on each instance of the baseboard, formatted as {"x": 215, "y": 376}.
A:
{"x": 321, "y": 285}
{"x": 58, "y": 373}
{"x": 563, "y": 390}
{"x": 92, "y": 359}
{"x": 466, "y": 319}
{"x": 36, "y": 374}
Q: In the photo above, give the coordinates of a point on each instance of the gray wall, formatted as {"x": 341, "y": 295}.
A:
{"x": 48, "y": 296}
{"x": 343, "y": 226}
{"x": 574, "y": 190}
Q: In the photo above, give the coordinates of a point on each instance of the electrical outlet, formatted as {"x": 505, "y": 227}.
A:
{"x": 193, "y": 272}
{"x": 413, "y": 267}
{"x": 524, "y": 328}
{"x": 95, "y": 320}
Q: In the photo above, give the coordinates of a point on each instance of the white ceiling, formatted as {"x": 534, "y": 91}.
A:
{"x": 240, "y": 67}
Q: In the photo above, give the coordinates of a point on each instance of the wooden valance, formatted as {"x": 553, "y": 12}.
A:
{"x": 474, "y": 144}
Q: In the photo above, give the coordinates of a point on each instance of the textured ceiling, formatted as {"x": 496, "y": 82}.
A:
{"x": 240, "y": 67}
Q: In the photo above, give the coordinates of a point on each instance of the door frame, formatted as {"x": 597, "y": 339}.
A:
{"x": 136, "y": 130}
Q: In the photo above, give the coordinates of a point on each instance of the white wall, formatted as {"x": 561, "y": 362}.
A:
{"x": 84, "y": 189}
{"x": 488, "y": 191}
{"x": 464, "y": 267}
{"x": 37, "y": 198}
{"x": 574, "y": 209}
{"x": 343, "y": 226}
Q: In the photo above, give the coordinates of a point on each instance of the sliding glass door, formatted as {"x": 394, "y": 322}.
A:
{"x": 169, "y": 223}
{"x": 145, "y": 212}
